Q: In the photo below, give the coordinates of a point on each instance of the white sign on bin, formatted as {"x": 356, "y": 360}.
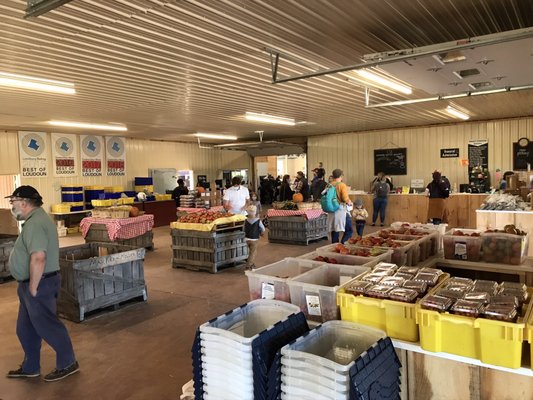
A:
{"x": 313, "y": 305}
{"x": 267, "y": 291}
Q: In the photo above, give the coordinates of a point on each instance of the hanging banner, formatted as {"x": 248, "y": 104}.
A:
{"x": 33, "y": 150}
{"x": 116, "y": 156}
{"x": 64, "y": 154}
{"x": 91, "y": 155}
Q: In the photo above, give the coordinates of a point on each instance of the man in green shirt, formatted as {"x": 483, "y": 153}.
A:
{"x": 34, "y": 263}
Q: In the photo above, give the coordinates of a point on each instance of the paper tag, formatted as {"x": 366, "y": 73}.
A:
{"x": 313, "y": 305}
{"x": 460, "y": 250}
{"x": 267, "y": 291}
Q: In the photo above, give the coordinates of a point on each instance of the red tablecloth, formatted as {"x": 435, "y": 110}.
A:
{"x": 309, "y": 214}
{"x": 194, "y": 210}
{"x": 120, "y": 228}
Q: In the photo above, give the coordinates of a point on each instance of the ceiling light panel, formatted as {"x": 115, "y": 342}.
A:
{"x": 270, "y": 119}
{"x": 218, "y": 136}
{"x": 33, "y": 83}
{"x": 88, "y": 125}
{"x": 456, "y": 113}
{"x": 381, "y": 81}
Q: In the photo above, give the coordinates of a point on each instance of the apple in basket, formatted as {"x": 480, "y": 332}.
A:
{"x": 134, "y": 212}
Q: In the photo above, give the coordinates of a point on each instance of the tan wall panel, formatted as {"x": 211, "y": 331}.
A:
{"x": 354, "y": 152}
{"x": 9, "y": 154}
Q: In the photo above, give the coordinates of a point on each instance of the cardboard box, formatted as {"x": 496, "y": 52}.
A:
{"x": 8, "y": 225}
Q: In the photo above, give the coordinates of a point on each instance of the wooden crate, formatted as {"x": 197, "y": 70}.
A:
{"x": 99, "y": 275}
{"x": 297, "y": 229}
{"x": 208, "y": 251}
{"x": 98, "y": 233}
{"x": 6, "y": 245}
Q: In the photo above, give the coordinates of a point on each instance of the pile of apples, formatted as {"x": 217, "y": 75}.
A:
{"x": 353, "y": 251}
{"x": 504, "y": 249}
{"x": 329, "y": 260}
{"x": 203, "y": 217}
{"x": 461, "y": 233}
{"x": 374, "y": 241}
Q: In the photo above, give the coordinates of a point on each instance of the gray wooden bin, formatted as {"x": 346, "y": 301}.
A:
{"x": 98, "y": 233}
{"x": 297, "y": 229}
{"x": 6, "y": 246}
{"x": 99, "y": 275}
{"x": 207, "y": 251}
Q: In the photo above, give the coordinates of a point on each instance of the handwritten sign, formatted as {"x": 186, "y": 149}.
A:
{"x": 390, "y": 161}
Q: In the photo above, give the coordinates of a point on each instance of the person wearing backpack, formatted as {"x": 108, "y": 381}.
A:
{"x": 438, "y": 190}
{"x": 335, "y": 202}
{"x": 381, "y": 192}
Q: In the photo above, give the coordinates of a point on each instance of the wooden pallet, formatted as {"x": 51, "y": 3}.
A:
{"x": 304, "y": 242}
{"x": 297, "y": 230}
{"x": 98, "y": 233}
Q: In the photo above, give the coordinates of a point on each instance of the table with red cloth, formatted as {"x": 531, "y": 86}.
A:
{"x": 120, "y": 228}
{"x": 195, "y": 210}
{"x": 308, "y": 214}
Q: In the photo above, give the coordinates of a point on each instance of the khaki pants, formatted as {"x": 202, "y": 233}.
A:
{"x": 252, "y": 250}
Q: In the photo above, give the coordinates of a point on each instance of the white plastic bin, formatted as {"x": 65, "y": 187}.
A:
{"x": 314, "y": 292}
{"x": 270, "y": 281}
{"x": 464, "y": 247}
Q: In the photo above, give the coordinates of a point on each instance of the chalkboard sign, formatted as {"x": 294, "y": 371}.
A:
{"x": 522, "y": 156}
{"x": 478, "y": 154}
{"x": 390, "y": 161}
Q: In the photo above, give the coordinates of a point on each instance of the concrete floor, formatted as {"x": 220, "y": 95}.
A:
{"x": 141, "y": 351}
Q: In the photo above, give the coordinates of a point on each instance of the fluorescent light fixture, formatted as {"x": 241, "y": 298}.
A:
{"x": 455, "y": 96}
{"x": 87, "y": 125}
{"x": 31, "y": 83}
{"x": 492, "y": 91}
{"x": 383, "y": 81}
{"x": 271, "y": 119}
{"x": 215, "y": 136}
{"x": 457, "y": 113}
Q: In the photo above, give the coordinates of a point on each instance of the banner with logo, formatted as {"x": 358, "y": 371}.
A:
{"x": 116, "y": 156}
{"x": 64, "y": 154}
{"x": 92, "y": 150}
{"x": 33, "y": 149}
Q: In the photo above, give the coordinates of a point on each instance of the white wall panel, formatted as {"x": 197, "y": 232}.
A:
{"x": 354, "y": 152}
{"x": 9, "y": 153}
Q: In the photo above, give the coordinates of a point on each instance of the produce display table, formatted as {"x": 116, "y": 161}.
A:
{"x": 99, "y": 275}
{"x": 498, "y": 219}
{"x": 296, "y": 227}
{"x": 6, "y": 245}
{"x": 209, "y": 246}
{"x": 136, "y": 231}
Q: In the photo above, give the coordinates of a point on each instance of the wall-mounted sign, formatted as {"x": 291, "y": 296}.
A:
{"x": 64, "y": 154}
{"x": 522, "y": 154}
{"x": 390, "y": 161}
{"x": 116, "y": 156}
{"x": 33, "y": 150}
{"x": 478, "y": 154}
{"x": 449, "y": 153}
{"x": 91, "y": 155}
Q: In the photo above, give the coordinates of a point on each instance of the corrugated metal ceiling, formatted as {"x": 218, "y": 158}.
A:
{"x": 170, "y": 68}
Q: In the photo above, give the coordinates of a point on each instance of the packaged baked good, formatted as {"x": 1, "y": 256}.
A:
{"x": 521, "y": 295}
{"x": 457, "y": 281}
{"x": 404, "y": 275}
{"x": 500, "y": 312}
{"x": 409, "y": 270}
{"x": 432, "y": 271}
{"x": 428, "y": 277}
{"x": 357, "y": 288}
{"x": 467, "y": 308}
{"x": 378, "y": 291}
{"x": 504, "y": 300}
{"x": 457, "y": 287}
{"x": 373, "y": 277}
{"x": 484, "y": 297}
{"x": 403, "y": 294}
{"x": 481, "y": 285}
{"x": 436, "y": 303}
{"x": 384, "y": 271}
{"x": 386, "y": 265}
{"x": 451, "y": 294}
{"x": 419, "y": 286}
{"x": 514, "y": 285}
{"x": 392, "y": 281}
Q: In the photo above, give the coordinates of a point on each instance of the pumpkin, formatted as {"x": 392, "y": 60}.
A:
{"x": 200, "y": 189}
{"x": 134, "y": 212}
{"x": 297, "y": 197}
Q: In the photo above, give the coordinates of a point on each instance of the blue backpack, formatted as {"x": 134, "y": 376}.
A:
{"x": 329, "y": 201}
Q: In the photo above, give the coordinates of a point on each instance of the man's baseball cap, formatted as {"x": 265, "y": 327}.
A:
{"x": 25, "y": 192}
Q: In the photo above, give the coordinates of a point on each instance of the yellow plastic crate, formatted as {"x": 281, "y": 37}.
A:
{"x": 127, "y": 200}
{"x": 72, "y": 230}
{"x": 142, "y": 188}
{"x": 102, "y": 203}
{"x": 60, "y": 208}
{"x": 492, "y": 342}
{"x": 529, "y": 333}
{"x": 113, "y": 189}
{"x": 94, "y": 188}
{"x": 397, "y": 318}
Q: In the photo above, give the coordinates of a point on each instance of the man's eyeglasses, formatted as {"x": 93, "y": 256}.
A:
{"x": 11, "y": 201}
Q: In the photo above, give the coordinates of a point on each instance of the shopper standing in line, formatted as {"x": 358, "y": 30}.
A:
{"x": 236, "y": 198}
{"x": 318, "y": 184}
{"x": 381, "y": 192}
{"x": 285, "y": 191}
{"x": 340, "y": 220}
{"x": 301, "y": 185}
{"x": 178, "y": 191}
{"x": 34, "y": 263}
{"x": 253, "y": 229}
{"x": 438, "y": 190}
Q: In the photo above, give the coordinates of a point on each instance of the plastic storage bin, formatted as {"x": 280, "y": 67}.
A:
{"x": 342, "y": 259}
{"x": 396, "y": 318}
{"x": 270, "y": 281}
{"x": 504, "y": 248}
{"x": 315, "y": 291}
{"x": 467, "y": 248}
{"x": 492, "y": 342}
{"x": 379, "y": 254}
